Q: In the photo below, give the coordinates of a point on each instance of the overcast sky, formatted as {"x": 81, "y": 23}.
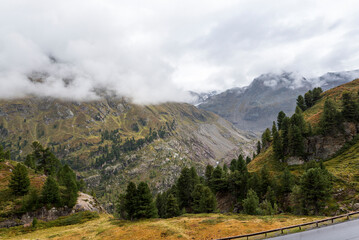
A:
{"x": 154, "y": 51}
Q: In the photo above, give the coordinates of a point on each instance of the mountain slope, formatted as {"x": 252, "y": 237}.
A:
{"x": 338, "y": 149}
{"x": 256, "y": 106}
{"x": 91, "y": 136}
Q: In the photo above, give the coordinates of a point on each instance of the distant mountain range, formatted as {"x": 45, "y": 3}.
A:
{"x": 255, "y": 107}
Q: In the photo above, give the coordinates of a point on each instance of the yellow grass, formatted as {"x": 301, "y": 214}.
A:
{"x": 203, "y": 226}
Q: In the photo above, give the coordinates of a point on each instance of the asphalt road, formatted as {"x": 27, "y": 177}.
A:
{"x": 348, "y": 230}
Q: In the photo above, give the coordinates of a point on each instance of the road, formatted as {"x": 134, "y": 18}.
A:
{"x": 348, "y": 230}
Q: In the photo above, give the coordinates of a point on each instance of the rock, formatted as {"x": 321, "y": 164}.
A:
{"x": 86, "y": 202}
{"x": 295, "y": 161}
{"x": 355, "y": 206}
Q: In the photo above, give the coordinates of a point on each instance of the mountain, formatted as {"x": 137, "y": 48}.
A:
{"x": 111, "y": 141}
{"x": 198, "y": 98}
{"x": 256, "y": 106}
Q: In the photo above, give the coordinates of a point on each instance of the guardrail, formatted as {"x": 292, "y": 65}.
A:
{"x": 281, "y": 230}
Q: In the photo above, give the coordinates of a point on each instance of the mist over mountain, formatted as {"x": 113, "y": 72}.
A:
{"x": 256, "y": 106}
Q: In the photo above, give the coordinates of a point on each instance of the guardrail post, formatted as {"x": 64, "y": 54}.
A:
{"x": 348, "y": 217}
{"x": 332, "y": 220}
{"x": 300, "y": 228}
{"x": 317, "y": 224}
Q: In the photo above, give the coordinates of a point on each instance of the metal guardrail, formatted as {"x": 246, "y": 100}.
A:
{"x": 265, "y": 233}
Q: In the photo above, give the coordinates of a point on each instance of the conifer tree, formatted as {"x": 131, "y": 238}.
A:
{"x": 316, "y": 94}
{"x": 281, "y": 116}
{"x": 185, "y": 186}
{"x": 258, "y": 147}
{"x": 350, "y": 107}
{"x": 284, "y": 135}
{"x": 161, "y": 205}
{"x": 218, "y": 183}
{"x": 208, "y": 174}
{"x": 172, "y": 208}
{"x": 308, "y": 98}
{"x": 266, "y": 138}
{"x": 145, "y": 206}
{"x": 296, "y": 144}
{"x": 251, "y": 203}
{"x": 131, "y": 200}
{"x": 234, "y": 165}
{"x": 204, "y": 200}
{"x": 30, "y": 161}
{"x": 248, "y": 160}
{"x": 315, "y": 187}
{"x": 301, "y": 103}
{"x": 50, "y": 192}
{"x": 19, "y": 182}
{"x": 330, "y": 118}
{"x": 265, "y": 181}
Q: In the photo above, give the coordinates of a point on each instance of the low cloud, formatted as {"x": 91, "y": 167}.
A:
{"x": 156, "y": 51}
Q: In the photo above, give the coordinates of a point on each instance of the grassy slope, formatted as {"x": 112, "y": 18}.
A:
{"x": 200, "y": 226}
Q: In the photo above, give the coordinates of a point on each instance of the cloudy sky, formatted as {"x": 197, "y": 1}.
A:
{"x": 154, "y": 51}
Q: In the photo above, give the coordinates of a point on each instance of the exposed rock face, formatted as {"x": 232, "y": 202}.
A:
{"x": 87, "y": 202}
{"x": 323, "y": 147}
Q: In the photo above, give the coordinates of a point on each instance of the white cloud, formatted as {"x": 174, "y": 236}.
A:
{"x": 153, "y": 51}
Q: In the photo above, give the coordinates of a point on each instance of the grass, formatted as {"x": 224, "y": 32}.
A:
{"x": 206, "y": 226}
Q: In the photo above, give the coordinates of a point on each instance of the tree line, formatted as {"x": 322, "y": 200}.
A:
{"x": 253, "y": 193}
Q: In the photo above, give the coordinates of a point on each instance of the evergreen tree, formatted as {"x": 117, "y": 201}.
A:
{"x": 301, "y": 103}
{"x": 32, "y": 201}
{"x": 258, "y": 147}
{"x": 30, "y": 161}
{"x": 317, "y": 94}
{"x": 330, "y": 118}
{"x": 265, "y": 181}
{"x": 266, "y": 138}
{"x": 281, "y": 116}
{"x": 51, "y": 193}
{"x": 67, "y": 178}
{"x": 121, "y": 207}
{"x": 218, "y": 182}
{"x": 172, "y": 208}
{"x": 308, "y": 98}
{"x": 161, "y": 205}
{"x": 251, "y": 203}
{"x": 315, "y": 186}
{"x": 248, "y": 160}
{"x": 131, "y": 200}
{"x": 19, "y": 182}
{"x": 350, "y": 107}
{"x": 204, "y": 200}
{"x": 234, "y": 165}
{"x": 285, "y": 135}
{"x": 208, "y": 174}
{"x": 145, "y": 206}
{"x": 296, "y": 144}
{"x": 185, "y": 186}
{"x": 254, "y": 183}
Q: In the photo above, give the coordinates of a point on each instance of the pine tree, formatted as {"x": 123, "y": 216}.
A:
{"x": 251, "y": 203}
{"x": 248, "y": 160}
{"x": 234, "y": 165}
{"x": 172, "y": 209}
{"x": 145, "y": 206}
{"x": 67, "y": 178}
{"x": 218, "y": 183}
{"x": 266, "y": 138}
{"x": 204, "y": 200}
{"x": 185, "y": 186}
{"x": 317, "y": 94}
{"x": 19, "y": 182}
{"x": 281, "y": 116}
{"x": 316, "y": 188}
{"x": 258, "y": 147}
{"x": 330, "y": 119}
{"x": 161, "y": 205}
{"x": 350, "y": 107}
{"x": 208, "y": 174}
{"x": 131, "y": 200}
{"x": 265, "y": 181}
{"x": 284, "y": 135}
{"x": 30, "y": 161}
{"x": 308, "y": 98}
{"x": 301, "y": 103}
{"x": 296, "y": 144}
{"x": 51, "y": 193}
